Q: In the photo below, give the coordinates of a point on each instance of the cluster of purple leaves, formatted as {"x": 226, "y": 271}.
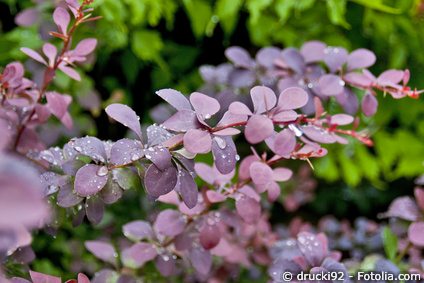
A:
{"x": 26, "y": 105}
{"x": 407, "y": 221}
{"x": 322, "y": 71}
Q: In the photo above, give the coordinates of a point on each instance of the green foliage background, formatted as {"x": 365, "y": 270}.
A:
{"x": 146, "y": 45}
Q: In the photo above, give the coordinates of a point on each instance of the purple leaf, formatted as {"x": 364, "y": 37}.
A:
{"x": 244, "y": 170}
{"x": 175, "y": 98}
{"x": 82, "y": 278}
{"x": 197, "y": 141}
{"x": 160, "y": 156}
{"x": 267, "y": 56}
{"x": 27, "y": 17}
{"x": 166, "y": 264}
{"x": 201, "y": 260}
{"x": 390, "y": 77}
{"x": 318, "y": 135}
{"x": 415, "y": 234}
{"x": 58, "y": 103}
{"x": 263, "y": 98}
{"x": 285, "y": 116}
{"x": 260, "y": 173}
{"x": 209, "y": 236}
{"x": 239, "y": 57}
{"x": 85, "y": 47}
{"x": 360, "y": 58}
{"x": 34, "y": 55}
{"x": 159, "y": 182}
{"x": 312, "y": 248}
{"x": 51, "y": 52}
{"x": 111, "y": 192}
{"x": 404, "y": 208}
{"x": 227, "y": 132}
{"x": 91, "y": 147}
{"x": 335, "y": 57}
{"x": 238, "y": 108}
{"x": 293, "y": 59}
{"x": 369, "y": 104}
{"x": 126, "y": 116}
{"x": 292, "y": 98}
{"x": 248, "y": 209}
{"x": 138, "y": 230}
{"x": 205, "y": 106}
{"x": 43, "y": 278}
{"x": 62, "y": 19}
{"x": 282, "y": 174}
{"x": 341, "y": 119}
{"x": 225, "y": 154}
{"x": 94, "y": 209}
{"x": 419, "y": 197}
{"x": 69, "y": 71}
{"x": 89, "y": 180}
{"x": 230, "y": 119}
{"x": 330, "y": 85}
{"x": 66, "y": 197}
{"x": 182, "y": 121}
{"x": 126, "y": 151}
{"x": 313, "y": 51}
{"x": 157, "y": 135}
{"x": 358, "y": 79}
{"x": 215, "y": 197}
{"x": 284, "y": 142}
{"x": 187, "y": 188}
{"x": 258, "y": 128}
{"x": 169, "y": 223}
{"x": 138, "y": 254}
{"x": 102, "y": 250}
{"x": 205, "y": 172}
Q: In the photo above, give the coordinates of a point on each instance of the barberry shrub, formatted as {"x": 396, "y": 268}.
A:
{"x": 216, "y": 222}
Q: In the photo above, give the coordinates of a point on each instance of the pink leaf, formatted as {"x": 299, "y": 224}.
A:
{"x": 34, "y": 55}
{"x": 62, "y": 19}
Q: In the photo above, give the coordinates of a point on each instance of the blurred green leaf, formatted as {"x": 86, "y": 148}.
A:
{"x": 147, "y": 45}
{"x": 390, "y": 242}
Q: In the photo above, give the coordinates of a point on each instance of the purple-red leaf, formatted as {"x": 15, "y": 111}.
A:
{"x": 331, "y": 85}
{"x": 90, "y": 179}
{"x": 263, "y": 98}
{"x": 34, "y": 55}
{"x": 360, "y": 58}
{"x": 284, "y": 142}
{"x": 126, "y": 151}
{"x": 197, "y": 141}
{"x": 209, "y": 236}
{"x": 85, "y": 47}
{"x": 258, "y": 128}
{"x": 205, "y": 106}
{"x": 292, "y": 98}
{"x": 248, "y": 209}
{"x": 126, "y": 116}
{"x": 43, "y": 278}
{"x": 225, "y": 154}
{"x": 239, "y": 57}
{"x": 260, "y": 173}
{"x": 416, "y": 234}
{"x": 169, "y": 223}
{"x": 160, "y": 182}
{"x": 369, "y": 104}
{"x": 62, "y": 19}
{"x": 175, "y": 98}
{"x": 138, "y": 254}
{"x": 102, "y": 250}
{"x": 138, "y": 230}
